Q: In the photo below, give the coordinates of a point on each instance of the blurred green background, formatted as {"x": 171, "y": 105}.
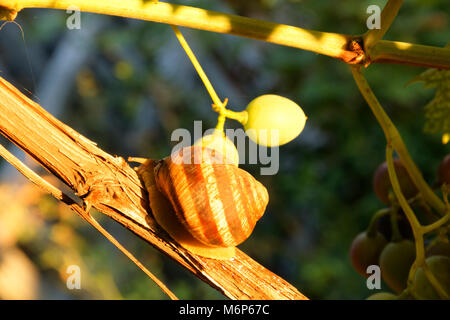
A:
{"x": 127, "y": 84}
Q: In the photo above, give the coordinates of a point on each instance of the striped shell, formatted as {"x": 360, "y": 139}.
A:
{"x": 219, "y": 204}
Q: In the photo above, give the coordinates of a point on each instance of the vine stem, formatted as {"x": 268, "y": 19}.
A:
{"x": 330, "y": 44}
{"x": 409, "y": 54}
{"x": 218, "y": 105}
{"x": 396, "y": 235}
{"x": 84, "y": 213}
{"x": 394, "y": 140}
{"x": 437, "y": 224}
{"x": 393, "y": 137}
{"x": 388, "y": 15}
{"x": 198, "y": 68}
{"x": 372, "y": 228}
{"x": 416, "y": 227}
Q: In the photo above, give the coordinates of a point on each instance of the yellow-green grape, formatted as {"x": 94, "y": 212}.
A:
{"x": 439, "y": 266}
{"x": 219, "y": 142}
{"x": 270, "y": 116}
{"x": 382, "y": 296}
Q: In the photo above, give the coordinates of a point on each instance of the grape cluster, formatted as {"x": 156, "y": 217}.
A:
{"x": 389, "y": 240}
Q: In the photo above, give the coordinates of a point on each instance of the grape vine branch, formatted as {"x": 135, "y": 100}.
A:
{"x": 82, "y": 212}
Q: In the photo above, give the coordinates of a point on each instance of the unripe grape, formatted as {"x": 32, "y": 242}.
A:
{"x": 382, "y": 296}
{"x": 220, "y": 143}
{"x": 438, "y": 248}
{"x": 274, "y": 120}
{"x": 384, "y": 226}
{"x": 444, "y": 171}
{"x": 395, "y": 262}
{"x": 382, "y": 184}
{"x": 365, "y": 251}
{"x": 440, "y": 268}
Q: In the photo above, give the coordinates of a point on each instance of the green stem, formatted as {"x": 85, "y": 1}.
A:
{"x": 415, "y": 225}
{"x": 418, "y": 230}
{"x": 240, "y": 116}
{"x": 398, "y": 192}
{"x": 198, "y": 68}
{"x": 434, "y": 282}
{"x": 437, "y": 224}
{"x": 59, "y": 195}
{"x": 393, "y": 137}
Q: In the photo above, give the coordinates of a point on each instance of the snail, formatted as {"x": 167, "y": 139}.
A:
{"x": 207, "y": 206}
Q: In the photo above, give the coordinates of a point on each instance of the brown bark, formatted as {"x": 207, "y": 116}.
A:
{"x": 110, "y": 185}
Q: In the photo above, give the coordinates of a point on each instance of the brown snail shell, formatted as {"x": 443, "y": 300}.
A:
{"x": 166, "y": 217}
{"x": 219, "y": 204}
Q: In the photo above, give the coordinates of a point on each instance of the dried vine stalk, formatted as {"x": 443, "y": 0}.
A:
{"x": 110, "y": 185}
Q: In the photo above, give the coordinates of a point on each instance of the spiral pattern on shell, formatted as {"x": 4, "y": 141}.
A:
{"x": 219, "y": 204}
